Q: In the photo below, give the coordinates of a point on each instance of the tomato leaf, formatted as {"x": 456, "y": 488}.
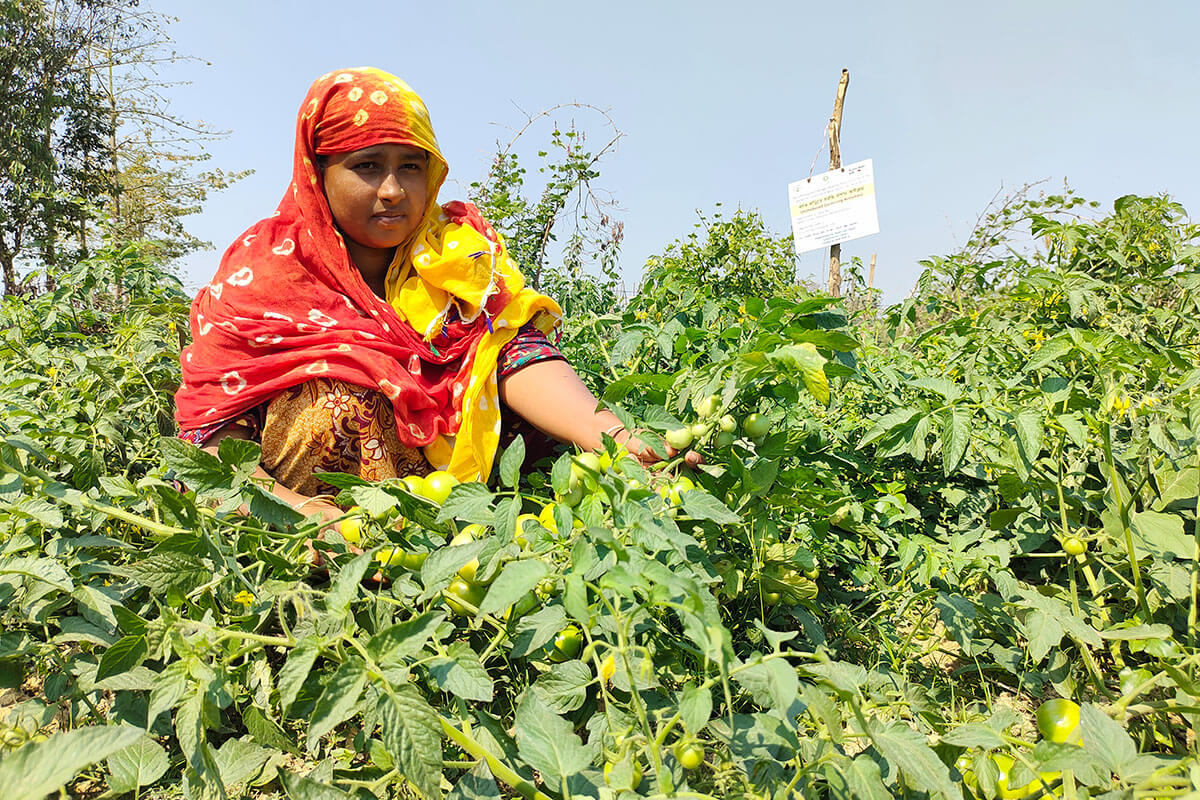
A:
{"x": 139, "y": 764}
{"x": 404, "y": 640}
{"x": 41, "y": 768}
{"x": 1105, "y": 739}
{"x": 346, "y": 585}
{"x": 535, "y": 630}
{"x": 305, "y": 788}
{"x": 162, "y": 571}
{"x": 125, "y": 654}
{"x": 699, "y": 504}
{"x": 462, "y": 674}
{"x": 695, "y": 707}
{"x": 773, "y": 684}
{"x": 907, "y": 751}
{"x": 516, "y": 580}
{"x": 412, "y": 735}
{"x": 548, "y": 742}
{"x": 478, "y": 784}
{"x": 956, "y": 437}
{"x": 42, "y": 569}
{"x": 471, "y": 502}
{"x": 511, "y": 461}
{"x": 295, "y": 671}
{"x": 267, "y": 731}
{"x": 564, "y": 688}
{"x": 338, "y": 701}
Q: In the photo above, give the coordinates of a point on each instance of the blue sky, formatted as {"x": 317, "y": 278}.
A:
{"x": 727, "y": 102}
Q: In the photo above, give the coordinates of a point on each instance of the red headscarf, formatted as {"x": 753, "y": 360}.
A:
{"x": 287, "y": 304}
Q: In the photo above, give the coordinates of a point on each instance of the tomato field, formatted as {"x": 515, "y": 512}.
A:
{"x": 947, "y": 548}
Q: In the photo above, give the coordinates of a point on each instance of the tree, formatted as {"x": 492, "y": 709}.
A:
{"x": 153, "y": 153}
{"x": 88, "y": 146}
{"x": 567, "y": 201}
{"x": 52, "y": 132}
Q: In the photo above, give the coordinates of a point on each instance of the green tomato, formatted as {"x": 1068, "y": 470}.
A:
{"x": 464, "y": 598}
{"x": 727, "y": 424}
{"x": 519, "y": 537}
{"x": 415, "y": 484}
{"x": 351, "y": 530}
{"x": 756, "y": 426}
{"x": 708, "y": 406}
{"x": 680, "y": 438}
{"x": 699, "y": 431}
{"x": 963, "y": 765}
{"x": 689, "y": 753}
{"x": 466, "y": 536}
{"x": 771, "y": 598}
{"x": 546, "y": 588}
{"x": 523, "y": 606}
{"x": 1074, "y": 546}
{"x": 438, "y": 485}
{"x": 637, "y": 774}
{"x": 389, "y": 557}
{"x": 1058, "y": 721}
{"x": 573, "y": 497}
{"x": 566, "y": 644}
{"x": 723, "y": 439}
{"x": 673, "y": 491}
{"x": 584, "y": 465}
{"x": 1038, "y": 787}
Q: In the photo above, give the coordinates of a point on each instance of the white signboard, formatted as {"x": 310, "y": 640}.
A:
{"x": 834, "y": 207}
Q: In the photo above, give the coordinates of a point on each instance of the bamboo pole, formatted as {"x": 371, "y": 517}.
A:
{"x": 871, "y": 277}
{"x": 835, "y": 162}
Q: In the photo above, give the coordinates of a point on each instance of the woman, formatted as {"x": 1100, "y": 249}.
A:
{"x": 365, "y": 328}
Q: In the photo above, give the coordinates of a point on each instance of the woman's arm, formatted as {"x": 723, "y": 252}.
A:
{"x": 550, "y": 396}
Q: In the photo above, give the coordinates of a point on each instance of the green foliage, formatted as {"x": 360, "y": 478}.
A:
{"x": 52, "y": 132}
{"x": 567, "y": 200}
{"x": 89, "y": 150}
{"x": 868, "y": 599}
{"x": 733, "y": 258}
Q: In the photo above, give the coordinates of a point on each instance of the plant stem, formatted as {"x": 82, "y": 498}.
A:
{"x": 499, "y": 769}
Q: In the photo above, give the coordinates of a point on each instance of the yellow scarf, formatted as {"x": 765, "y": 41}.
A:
{"x": 452, "y": 264}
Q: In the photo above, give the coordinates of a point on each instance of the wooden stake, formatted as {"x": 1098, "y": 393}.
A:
{"x": 835, "y": 162}
{"x": 871, "y": 278}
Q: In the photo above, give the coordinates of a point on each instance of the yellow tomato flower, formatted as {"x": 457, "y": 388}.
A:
{"x": 244, "y": 597}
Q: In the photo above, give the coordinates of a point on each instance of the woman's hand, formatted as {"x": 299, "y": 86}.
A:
{"x": 642, "y": 452}
{"x": 550, "y": 396}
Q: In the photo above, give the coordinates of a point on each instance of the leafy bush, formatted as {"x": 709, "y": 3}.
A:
{"x": 941, "y": 517}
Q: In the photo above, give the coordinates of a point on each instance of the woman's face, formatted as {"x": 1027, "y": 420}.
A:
{"x": 377, "y": 195}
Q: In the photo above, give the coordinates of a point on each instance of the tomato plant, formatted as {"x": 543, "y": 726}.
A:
{"x": 926, "y": 464}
